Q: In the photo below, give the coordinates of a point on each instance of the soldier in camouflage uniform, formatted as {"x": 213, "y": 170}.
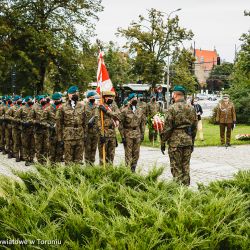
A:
{"x": 111, "y": 121}
{"x": 48, "y": 120}
{"x": 91, "y": 129}
{"x": 226, "y": 117}
{"x": 25, "y": 117}
{"x": 131, "y": 128}
{"x": 153, "y": 108}
{"x": 8, "y": 127}
{"x": 70, "y": 124}
{"x": 17, "y": 130}
{"x": 41, "y": 146}
{"x": 179, "y": 131}
{"x": 3, "y": 108}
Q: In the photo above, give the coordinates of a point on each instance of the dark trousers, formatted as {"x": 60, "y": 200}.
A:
{"x": 223, "y": 128}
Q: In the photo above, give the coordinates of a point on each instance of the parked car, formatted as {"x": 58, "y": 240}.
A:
{"x": 212, "y": 97}
{"x": 202, "y": 97}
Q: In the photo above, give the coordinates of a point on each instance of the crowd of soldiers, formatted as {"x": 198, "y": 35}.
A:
{"x": 72, "y": 130}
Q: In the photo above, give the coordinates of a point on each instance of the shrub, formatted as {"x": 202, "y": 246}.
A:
{"x": 111, "y": 208}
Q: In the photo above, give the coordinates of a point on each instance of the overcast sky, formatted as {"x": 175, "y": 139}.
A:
{"x": 215, "y": 23}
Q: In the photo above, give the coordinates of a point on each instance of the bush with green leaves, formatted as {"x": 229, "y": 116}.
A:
{"x": 112, "y": 208}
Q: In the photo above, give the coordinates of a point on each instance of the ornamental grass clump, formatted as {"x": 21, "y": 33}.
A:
{"x": 112, "y": 208}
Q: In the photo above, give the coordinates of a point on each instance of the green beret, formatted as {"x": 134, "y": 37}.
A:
{"x": 179, "y": 88}
{"x": 27, "y": 98}
{"x": 17, "y": 97}
{"x": 125, "y": 102}
{"x": 73, "y": 89}
{"x": 56, "y": 96}
{"x": 131, "y": 96}
{"x": 91, "y": 93}
{"x": 40, "y": 97}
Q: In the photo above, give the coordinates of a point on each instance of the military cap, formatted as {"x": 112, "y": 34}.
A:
{"x": 131, "y": 96}
{"x": 226, "y": 95}
{"x": 17, "y": 97}
{"x": 179, "y": 88}
{"x": 40, "y": 97}
{"x": 73, "y": 89}
{"x": 27, "y": 98}
{"x": 125, "y": 102}
{"x": 56, "y": 96}
{"x": 91, "y": 93}
{"x": 108, "y": 93}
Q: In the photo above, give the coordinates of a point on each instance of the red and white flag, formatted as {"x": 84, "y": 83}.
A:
{"x": 103, "y": 81}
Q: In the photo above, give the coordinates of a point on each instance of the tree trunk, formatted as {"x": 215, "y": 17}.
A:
{"x": 42, "y": 72}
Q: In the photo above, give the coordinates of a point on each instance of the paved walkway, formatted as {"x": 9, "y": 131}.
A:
{"x": 207, "y": 163}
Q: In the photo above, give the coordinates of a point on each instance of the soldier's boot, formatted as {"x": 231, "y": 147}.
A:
{"x": 4, "y": 151}
{"x": 17, "y": 158}
{"x": 10, "y": 155}
{"x": 133, "y": 167}
{"x": 27, "y": 163}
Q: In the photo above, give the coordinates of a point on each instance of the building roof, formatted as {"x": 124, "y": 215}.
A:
{"x": 206, "y": 58}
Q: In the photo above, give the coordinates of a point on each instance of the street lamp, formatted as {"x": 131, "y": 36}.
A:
{"x": 168, "y": 61}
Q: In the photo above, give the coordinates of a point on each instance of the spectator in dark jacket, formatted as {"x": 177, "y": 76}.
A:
{"x": 199, "y": 112}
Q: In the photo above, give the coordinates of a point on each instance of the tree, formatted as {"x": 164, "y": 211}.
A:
{"x": 38, "y": 33}
{"x": 150, "y": 41}
{"x": 182, "y": 70}
{"x": 118, "y": 64}
{"x": 220, "y": 77}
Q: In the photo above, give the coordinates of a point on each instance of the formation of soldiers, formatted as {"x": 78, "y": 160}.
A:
{"x": 70, "y": 131}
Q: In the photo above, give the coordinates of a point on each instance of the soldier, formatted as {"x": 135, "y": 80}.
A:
{"x": 91, "y": 135}
{"x": 226, "y": 117}
{"x": 3, "y": 108}
{"x": 70, "y": 123}
{"x": 8, "y": 128}
{"x": 41, "y": 146}
{"x": 131, "y": 128}
{"x": 25, "y": 116}
{"x": 107, "y": 139}
{"x": 153, "y": 108}
{"x": 179, "y": 131}
{"x": 48, "y": 120}
{"x": 16, "y": 130}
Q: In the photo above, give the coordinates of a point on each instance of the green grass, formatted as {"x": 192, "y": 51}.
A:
{"x": 97, "y": 208}
{"x": 211, "y": 135}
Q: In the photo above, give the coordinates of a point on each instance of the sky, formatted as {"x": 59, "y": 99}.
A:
{"x": 215, "y": 23}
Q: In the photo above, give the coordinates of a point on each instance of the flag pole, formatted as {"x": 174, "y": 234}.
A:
{"x": 103, "y": 134}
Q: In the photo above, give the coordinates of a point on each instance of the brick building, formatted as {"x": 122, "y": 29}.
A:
{"x": 205, "y": 61}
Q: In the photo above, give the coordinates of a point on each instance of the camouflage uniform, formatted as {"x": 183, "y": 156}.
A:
{"x": 91, "y": 132}
{"x": 41, "y": 146}
{"x": 179, "y": 131}
{"x": 70, "y": 123}
{"x": 16, "y": 134}
{"x": 8, "y": 130}
{"x": 132, "y": 128}
{"x": 110, "y": 118}
{"x": 152, "y": 108}
{"x": 55, "y": 150}
{"x": 226, "y": 116}
{"x": 24, "y": 116}
{"x": 3, "y": 109}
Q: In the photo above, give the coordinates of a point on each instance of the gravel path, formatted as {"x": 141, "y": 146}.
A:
{"x": 207, "y": 163}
